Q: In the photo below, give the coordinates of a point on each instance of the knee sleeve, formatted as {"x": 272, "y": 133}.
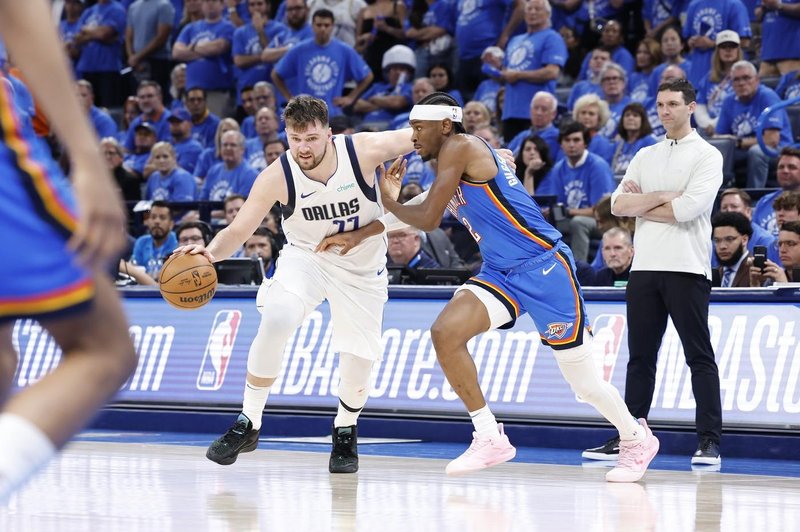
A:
{"x": 579, "y": 369}
{"x": 354, "y": 380}
{"x": 282, "y": 313}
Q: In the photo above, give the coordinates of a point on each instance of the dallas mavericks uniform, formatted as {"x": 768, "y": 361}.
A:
{"x": 355, "y": 284}
{"x": 39, "y": 277}
{"x": 526, "y": 267}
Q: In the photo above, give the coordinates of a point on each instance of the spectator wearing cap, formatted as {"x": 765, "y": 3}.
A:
{"x": 187, "y": 149}
{"x": 321, "y": 66}
{"x": 103, "y": 123}
{"x": 780, "y": 37}
{"x": 147, "y": 40}
{"x": 532, "y": 63}
{"x": 717, "y": 85}
{"x": 738, "y": 120}
{"x": 487, "y": 90}
{"x": 205, "y": 47}
{"x": 432, "y": 26}
{"x": 233, "y": 175}
{"x": 151, "y": 105}
{"x": 69, "y": 27}
{"x": 144, "y": 138}
{"x": 204, "y": 122}
{"x": 168, "y": 182}
{"x": 102, "y": 28}
{"x": 703, "y": 21}
{"x": 386, "y": 99}
{"x": 249, "y": 42}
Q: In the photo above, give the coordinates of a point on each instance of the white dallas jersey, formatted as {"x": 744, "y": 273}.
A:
{"x": 345, "y": 203}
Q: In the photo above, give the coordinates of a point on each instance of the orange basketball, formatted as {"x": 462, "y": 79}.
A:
{"x": 187, "y": 281}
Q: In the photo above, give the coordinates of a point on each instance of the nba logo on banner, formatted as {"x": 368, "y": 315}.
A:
{"x": 218, "y": 350}
{"x": 608, "y": 336}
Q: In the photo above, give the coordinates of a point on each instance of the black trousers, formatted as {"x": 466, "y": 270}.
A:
{"x": 651, "y": 298}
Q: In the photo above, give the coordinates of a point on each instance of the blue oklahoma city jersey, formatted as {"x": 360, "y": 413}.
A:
{"x": 525, "y": 265}
{"x": 506, "y": 223}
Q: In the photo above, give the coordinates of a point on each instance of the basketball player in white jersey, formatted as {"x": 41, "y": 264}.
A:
{"x": 324, "y": 188}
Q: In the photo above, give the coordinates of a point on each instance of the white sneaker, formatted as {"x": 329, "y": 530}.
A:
{"x": 485, "y": 451}
{"x": 634, "y": 457}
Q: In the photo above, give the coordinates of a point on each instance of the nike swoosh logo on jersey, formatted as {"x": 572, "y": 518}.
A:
{"x": 545, "y": 271}
{"x": 304, "y": 196}
{"x": 381, "y": 271}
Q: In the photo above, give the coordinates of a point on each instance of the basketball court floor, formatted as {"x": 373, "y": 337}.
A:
{"x": 111, "y": 481}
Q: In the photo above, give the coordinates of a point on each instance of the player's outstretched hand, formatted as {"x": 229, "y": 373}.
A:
{"x": 194, "y": 249}
{"x": 392, "y": 179}
{"x": 99, "y": 237}
{"x": 340, "y": 243}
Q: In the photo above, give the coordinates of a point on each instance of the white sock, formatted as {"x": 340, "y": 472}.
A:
{"x": 484, "y": 421}
{"x": 354, "y": 379}
{"x": 255, "y": 398}
{"x": 26, "y": 449}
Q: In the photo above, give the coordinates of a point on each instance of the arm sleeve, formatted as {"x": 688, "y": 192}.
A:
{"x": 392, "y": 223}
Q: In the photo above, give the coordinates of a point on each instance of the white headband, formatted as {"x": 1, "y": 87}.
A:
{"x": 436, "y": 112}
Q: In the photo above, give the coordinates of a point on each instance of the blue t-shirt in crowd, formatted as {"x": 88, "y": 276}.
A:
{"x": 764, "y": 214}
{"x": 602, "y": 147}
{"x": 789, "y": 85}
{"x": 624, "y": 152}
{"x": 780, "y": 35}
{"x": 101, "y": 56}
{"x": 478, "y": 24}
{"x": 246, "y": 42}
{"x": 486, "y": 93}
{"x": 531, "y": 51}
{"x": 740, "y": 119}
{"x": 381, "y": 88}
{"x": 188, "y": 152}
{"x": 205, "y": 130}
{"x": 178, "y": 185}
{"x": 578, "y": 187}
{"x": 207, "y": 159}
{"x": 707, "y": 18}
{"x": 620, "y": 56}
{"x": 639, "y": 86}
{"x": 322, "y": 71}
{"x": 712, "y": 94}
{"x": 221, "y": 182}
{"x": 103, "y": 124}
{"x": 209, "y": 73}
{"x": 548, "y": 134}
{"x": 582, "y": 88}
{"x": 152, "y": 257}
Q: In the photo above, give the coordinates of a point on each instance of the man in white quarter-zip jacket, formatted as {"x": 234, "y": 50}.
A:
{"x": 670, "y": 188}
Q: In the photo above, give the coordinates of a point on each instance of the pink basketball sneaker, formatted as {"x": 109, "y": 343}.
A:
{"x": 485, "y": 451}
{"x": 634, "y": 457}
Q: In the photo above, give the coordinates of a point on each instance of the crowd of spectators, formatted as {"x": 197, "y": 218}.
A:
{"x": 186, "y": 96}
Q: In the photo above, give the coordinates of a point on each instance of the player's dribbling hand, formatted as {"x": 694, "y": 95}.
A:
{"x": 194, "y": 249}
{"x": 99, "y": 237}
{"x": 391, "y": 180}
{"x": 340, "y": 243}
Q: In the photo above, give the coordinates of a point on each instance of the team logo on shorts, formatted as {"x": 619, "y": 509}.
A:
{"x": 558, "y": 330}
{"x": 218, "y": 350}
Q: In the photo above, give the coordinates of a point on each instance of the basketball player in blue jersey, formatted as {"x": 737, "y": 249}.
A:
{"x": 526, "y": 269}
{"x": 52, "y": 254}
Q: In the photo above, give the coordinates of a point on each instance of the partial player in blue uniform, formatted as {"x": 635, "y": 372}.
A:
{"x": 54, "y": 248}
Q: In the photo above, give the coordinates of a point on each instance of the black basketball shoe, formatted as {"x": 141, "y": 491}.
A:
{"x": 344, "y": 455}
{"x": 608, "y": 451}
{"x": 240, "y": 438}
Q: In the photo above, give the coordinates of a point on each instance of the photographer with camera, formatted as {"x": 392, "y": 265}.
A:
{"x": 764, "y": 272}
